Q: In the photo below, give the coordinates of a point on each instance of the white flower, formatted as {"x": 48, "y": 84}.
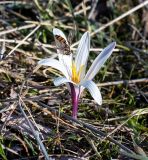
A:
{"x": 74, "y": 70}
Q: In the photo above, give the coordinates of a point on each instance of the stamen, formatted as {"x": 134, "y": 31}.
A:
{"x": 76, "y": 75}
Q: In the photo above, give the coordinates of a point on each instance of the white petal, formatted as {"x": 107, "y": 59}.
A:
{"x": 94, "y": 91}
{"x": 66, "y": 61}
{"x": 58, "y": 32}
{"x": 54, "y": 64}
{"x": 60, "y": 44}
{"x": 83, "y": 52}
{"x": 99, "y": 61}
{"x": 61, "y": 80}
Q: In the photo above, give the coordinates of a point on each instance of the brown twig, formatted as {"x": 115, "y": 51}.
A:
{"x": 142, "y": 80}
{"x": 17, "y": 29}
{"x": 35, "y": 132}
{"x": 35, "y": 29}
{"x": 48, "y": 45}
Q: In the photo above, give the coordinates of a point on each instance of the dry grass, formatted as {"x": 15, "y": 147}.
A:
{"x": 34, "y": 113}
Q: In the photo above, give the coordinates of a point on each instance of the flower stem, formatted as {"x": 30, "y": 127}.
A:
{"x": 75, "y": 99}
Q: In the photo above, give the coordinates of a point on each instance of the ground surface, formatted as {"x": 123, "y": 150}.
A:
{"x": 28, "y": 95}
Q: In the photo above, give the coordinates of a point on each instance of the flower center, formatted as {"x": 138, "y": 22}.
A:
{"x": 76, "y": 74}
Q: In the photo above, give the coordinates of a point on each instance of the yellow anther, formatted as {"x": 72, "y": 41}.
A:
{"x": 76, "y": 75}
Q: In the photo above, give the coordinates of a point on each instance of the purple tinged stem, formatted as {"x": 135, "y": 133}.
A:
{"x": 75, "y": 91}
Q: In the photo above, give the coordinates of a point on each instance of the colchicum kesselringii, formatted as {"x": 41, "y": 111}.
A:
{"x": 74, "y": 70}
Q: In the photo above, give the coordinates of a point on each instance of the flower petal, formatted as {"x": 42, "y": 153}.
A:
{"x": 94, "y": 91}
{"x": 61, "y": 80}
{"x": 61, "y": 41}
{"x": 54, "y": 64}
{"x": 58, "y": 32}
{"x": 82, "y": 53}
{"x": 66, "y": 61}
{"x": 99, "y": 61}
